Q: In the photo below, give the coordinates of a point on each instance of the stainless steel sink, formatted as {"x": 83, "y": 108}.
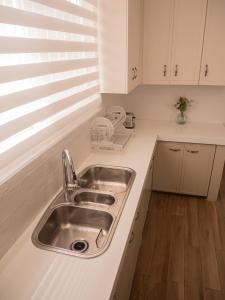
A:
{"x": 74, "y": 229}
{"x": 82, "y": 222}
{"x": 110, "y": 179}
{"x": 89, "y": 198}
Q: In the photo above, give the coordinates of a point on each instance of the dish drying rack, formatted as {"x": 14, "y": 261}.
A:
{"x": 109, "y": 133}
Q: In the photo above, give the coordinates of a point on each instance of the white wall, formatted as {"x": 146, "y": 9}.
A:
{"x": 156, "y": 102}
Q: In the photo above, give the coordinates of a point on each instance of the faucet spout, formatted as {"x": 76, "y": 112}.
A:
{"x": 70, "y": 180}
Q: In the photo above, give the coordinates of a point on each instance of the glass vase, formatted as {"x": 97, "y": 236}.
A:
{"x": 181, "y": 118}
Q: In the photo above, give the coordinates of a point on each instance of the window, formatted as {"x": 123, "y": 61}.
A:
{"x": 48, "y": 74}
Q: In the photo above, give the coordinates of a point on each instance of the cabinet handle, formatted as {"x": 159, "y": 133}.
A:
{"x": 176, "y": 71}
{"x": 164, "y": 70}
{"x": 131, "y": 238}
{"x": 136, "y": 72}
{"x": 174, "y": 150}
{"x": 206, "y": 70}
{"x": 193, "y": 151}
{"x": 137, "y": 216}
{"x": 133, "y": 73}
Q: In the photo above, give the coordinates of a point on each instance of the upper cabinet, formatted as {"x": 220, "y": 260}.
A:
{"x": 120, "y": 40}
{"x": 173, "y": 37}
{"x": 213, "y": 58}
{"x": 188, "y": 32}
{"x": 158, "y": 23}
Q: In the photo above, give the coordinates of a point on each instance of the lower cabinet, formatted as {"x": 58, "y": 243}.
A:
{"x": 124, "y": 283}
{"x": 183, "y": 168}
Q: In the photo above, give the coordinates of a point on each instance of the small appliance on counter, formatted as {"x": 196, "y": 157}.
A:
{"x": 109, "y": 132}
{"x": 130, "y": 120}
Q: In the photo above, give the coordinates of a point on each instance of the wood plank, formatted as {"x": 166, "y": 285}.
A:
{"x": 175, "y": 291}
{"x": 193, "y": 291}
{"x": 191, "y": 225}
{"x": 193, "y": 266}
{"x": 207, "y": 247}
{"x": 176, "y": 260}
{"x": 213, "y": 295}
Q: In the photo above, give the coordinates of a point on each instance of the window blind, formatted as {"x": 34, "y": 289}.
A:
{"x": 48, "y": 71}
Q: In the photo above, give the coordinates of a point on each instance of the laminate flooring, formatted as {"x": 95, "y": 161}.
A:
{"x": 182, "y": 256}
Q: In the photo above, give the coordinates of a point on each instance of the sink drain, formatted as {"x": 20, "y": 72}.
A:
{"x": 79, "y": 246}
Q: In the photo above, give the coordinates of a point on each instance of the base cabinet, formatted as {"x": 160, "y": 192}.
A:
{"x": 183, "y": 168}
{"x": 126, "y": 276}
{"x": 124, "y": 284}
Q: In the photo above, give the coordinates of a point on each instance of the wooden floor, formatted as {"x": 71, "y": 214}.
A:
{"x": 183, "y": 250}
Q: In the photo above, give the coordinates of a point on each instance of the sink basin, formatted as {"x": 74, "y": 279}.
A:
{"x": 74, "y": 229}
{"x": 81, "y": 222}
{"x": 94, "y": 198}
{"x": 110, "y": 179}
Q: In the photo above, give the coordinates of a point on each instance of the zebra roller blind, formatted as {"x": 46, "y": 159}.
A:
{"x": 48, "y": 71}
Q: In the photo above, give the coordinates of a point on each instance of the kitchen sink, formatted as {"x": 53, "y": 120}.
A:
{"x": 81, "y": 221}
{"x": 110, "y": 179}
{"x": 69, "y": 228}
{"x": 94, "y": 198}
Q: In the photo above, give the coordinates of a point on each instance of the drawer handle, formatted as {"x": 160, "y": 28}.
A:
{"x": 193, "y": 151}
{"x": 137, "y": 216}
{"x": 174, "y": 149}
{"x": 131, "y": 238}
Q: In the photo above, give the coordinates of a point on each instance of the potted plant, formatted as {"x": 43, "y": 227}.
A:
{"x": 182, "y": 105}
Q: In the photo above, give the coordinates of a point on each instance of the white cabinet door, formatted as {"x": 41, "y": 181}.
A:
{"x": 213, "y": 59}
{"x": 167, "y": 166}
{"x": 197, "y": 168}
{"x": 124, "y": 284}
{"x": 120, "y": 43}
{"x": 134, "y": 43}
{"x": 123, "y": 288}
{"x": 189, "y": 23}
{"x": 158, "y": 24}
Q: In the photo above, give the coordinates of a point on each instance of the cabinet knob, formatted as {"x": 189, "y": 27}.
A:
{"x": 174, "y": 149}
{"x": 193, "y": 151}
{"x": 176, "y": 71}
{"x": 131, "y": 238}
{"x": 164, "y": 70}
{"x": 206, "y": 70}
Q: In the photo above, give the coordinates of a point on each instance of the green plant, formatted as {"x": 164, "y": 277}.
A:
{"x": 182, "y": 104}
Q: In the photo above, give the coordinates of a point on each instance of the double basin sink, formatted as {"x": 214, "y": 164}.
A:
{"x": 82, "y": 222}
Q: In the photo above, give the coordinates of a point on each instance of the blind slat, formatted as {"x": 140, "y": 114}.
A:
{"x": 14, "y": 16}
{"x": 20, "y": 45}
{"x": 69, "y": 8}
{"x": 12, "y": 73}
{"x": 92, "y": 2}
{"x": 19, "y": 124}
{"x": 9, "y": 101}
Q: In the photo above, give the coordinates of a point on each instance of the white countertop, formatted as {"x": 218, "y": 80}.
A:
{"x": 27, "y": 272}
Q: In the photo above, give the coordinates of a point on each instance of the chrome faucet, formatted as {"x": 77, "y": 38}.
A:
{"x": 70, "y": 180}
